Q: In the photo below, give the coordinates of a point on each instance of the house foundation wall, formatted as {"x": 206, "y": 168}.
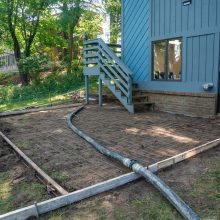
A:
{"x": 190, "y": 104}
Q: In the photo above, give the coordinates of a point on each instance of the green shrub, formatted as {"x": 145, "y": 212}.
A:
{"x": 56, "y": 83}
{"x": 32, "y": 66}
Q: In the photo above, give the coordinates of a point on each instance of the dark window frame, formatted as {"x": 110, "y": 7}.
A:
{"x": 166, "y": 66}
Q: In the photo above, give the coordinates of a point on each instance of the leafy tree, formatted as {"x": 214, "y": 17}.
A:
{"x": 71, "y": 13}
{"x": 74, "y": 15}
{"x": 22, "y": 18}
{"x": 113, "y": 7}
{"x": 32, "y": 66}
{"x": 49, "y": 39}
{"x": 33, "y": 27}
{"x": 90, "y": 23}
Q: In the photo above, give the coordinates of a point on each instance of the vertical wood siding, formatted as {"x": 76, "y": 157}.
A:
{"x": 201, "y": 58}
{"x": 175, "y": 18}
{"x": 198, "y": 24}
{"x": 136, "y": 37}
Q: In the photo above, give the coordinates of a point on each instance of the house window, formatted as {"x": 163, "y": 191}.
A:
{"x": 167, "y": 59}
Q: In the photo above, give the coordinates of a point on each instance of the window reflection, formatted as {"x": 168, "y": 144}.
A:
{"x": 167, "y": 59}
{"x": 159, "y": 60}
{"x": 174, "y": 59}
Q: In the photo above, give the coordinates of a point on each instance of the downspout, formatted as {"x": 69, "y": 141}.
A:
{"x": 170, "y": 195}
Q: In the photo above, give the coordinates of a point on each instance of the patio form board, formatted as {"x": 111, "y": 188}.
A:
{"x": 148, "y": 138}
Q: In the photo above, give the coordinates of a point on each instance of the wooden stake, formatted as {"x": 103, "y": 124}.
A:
{"x": 50, "y": 182}
{"x": 79, "y": 195}
{"x": 22, "y": 112}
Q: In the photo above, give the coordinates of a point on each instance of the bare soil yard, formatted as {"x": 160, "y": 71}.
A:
{"x": 148, "y": 137}
{"x": 18, "y": 185}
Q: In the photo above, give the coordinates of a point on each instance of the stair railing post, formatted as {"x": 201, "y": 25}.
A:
{"x": 87, "y": 88}
{"x": 86, "y": 76}
{"x": 130, "y": 91}
{"x": 100, "y": 91}
{"x": 100, "y": 80}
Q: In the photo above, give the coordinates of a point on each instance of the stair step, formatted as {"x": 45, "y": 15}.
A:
{"x": 119, "y": 95}
{"x": 114, "y": 73}
{"x": 143, "y": 103}
{"x": 136, "y": 90}
{"x": 139, "y": 96}
{"x": 139, "y": 106}
{"x": 135, "y": 85}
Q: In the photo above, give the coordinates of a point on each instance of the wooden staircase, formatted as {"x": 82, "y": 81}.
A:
{"x": 140, "y": 100}
{"x": 104, "y": 61}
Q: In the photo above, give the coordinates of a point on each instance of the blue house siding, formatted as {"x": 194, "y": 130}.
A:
{"x": 198, "y": 24}
{"x": 171, "y": 17}
{"x": 201, "y": 59}
{"x": 136, "y": 37}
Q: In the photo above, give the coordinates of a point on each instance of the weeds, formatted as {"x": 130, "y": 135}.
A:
{"x": 56, "y": 88}
{"x": 13, "y": 196}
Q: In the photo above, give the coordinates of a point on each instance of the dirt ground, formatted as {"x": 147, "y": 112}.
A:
{"x": 148, "y": 137}
{"x": 197, "y": 181}
{"x": 18, "y": 185}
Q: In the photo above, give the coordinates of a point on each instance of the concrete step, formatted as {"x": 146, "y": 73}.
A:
{"x": 136, "y": 90}
{"x": 135, "y": 85}
{"x": 141, "y": 106}
{"x": 143, "y": 103}
{"x": 139, "y": 96}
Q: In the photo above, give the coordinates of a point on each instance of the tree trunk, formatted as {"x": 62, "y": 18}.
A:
{"x": 64, "y": 33}
{"x": 64, "y": 50}
{"x": 17, "y": 51}
{"x": 70, "y": 48}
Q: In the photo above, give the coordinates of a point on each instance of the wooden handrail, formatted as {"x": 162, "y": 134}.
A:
{"x": 118, "y": 61}
{"x": 114, "y": 45}
{"x": 97, "y": 52}
{"x": 125, "y": 76}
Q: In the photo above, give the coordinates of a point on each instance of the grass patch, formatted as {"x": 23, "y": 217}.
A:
{"x": 154, "y": 207}
{"x": 205, "y": 195}
{"x": 20, "y": 194}
{"x": 203, "y": 198}
{"x": 25, "y": 144}
{"x": 62, "y": 177}
{"x": 55, "y": 89}
{"x": 5, "y": 193}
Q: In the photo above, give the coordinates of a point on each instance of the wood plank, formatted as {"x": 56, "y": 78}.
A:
{"x": 112, "y": 54}
{"x": 120, "y": 70}
{"x": 87, "y": 42}
{"x": 91, "y": 48}
{"x": 50, "y": 182}
{"x": 90, "y": 55}
{"x": 114, "y": 80}
{"x": 211, "y": 47}
{"x": 71, "y": 198}
{"x": 79, "y": 195}
{"x": 198, "y": 14}
{"x": 183, "y": 156}
{"x": 22, "y": 112}
{"x": 91, "y": 71}
{"x": 95, "y": 61}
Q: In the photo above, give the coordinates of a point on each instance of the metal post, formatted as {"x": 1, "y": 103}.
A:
{"x": 87, "y": 88}
{"x": 100, "y": 92}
